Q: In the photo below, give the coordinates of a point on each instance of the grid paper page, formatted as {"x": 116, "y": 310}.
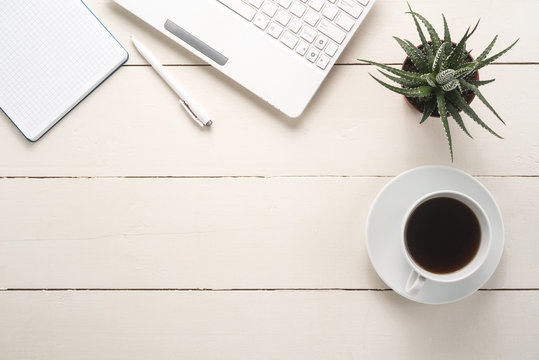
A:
{"x": 52, "y": 54}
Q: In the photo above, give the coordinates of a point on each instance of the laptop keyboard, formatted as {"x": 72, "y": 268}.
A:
{"x": 313, "y": 29}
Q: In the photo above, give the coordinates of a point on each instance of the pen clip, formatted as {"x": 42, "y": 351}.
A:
{"x": 191, "y": 112}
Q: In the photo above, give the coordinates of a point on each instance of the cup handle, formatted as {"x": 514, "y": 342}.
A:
{"x": 415, "y": 283}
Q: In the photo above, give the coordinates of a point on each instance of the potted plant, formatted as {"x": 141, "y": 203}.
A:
{"x": 439, "y": 77}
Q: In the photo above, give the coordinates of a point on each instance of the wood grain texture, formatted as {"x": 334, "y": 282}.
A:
{"x": 128, "y": 193}
{"x": 374, "y": 38}
{"x": 265, "y": 325}
{"x": 218, "y": 233}
{"x": 133, "y": 125}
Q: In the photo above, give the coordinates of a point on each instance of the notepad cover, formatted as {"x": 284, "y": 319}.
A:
{"x": 52, "y": 55}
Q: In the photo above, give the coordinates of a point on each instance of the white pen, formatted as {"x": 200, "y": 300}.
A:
{"x": 197, "y": 113}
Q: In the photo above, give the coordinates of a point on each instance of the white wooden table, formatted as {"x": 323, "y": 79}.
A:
{"x": 129, "y": 233}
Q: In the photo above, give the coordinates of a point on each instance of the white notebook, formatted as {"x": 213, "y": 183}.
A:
{"x": 52, "y": 55}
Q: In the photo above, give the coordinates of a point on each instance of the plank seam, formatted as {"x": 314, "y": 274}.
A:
{"x": 232, "y": 289}
{"x": 337, "y": 64}
{"x": 85, "y": 177}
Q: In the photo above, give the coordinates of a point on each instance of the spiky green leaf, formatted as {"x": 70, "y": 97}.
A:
{"x": 456, "y": 116}
{"x": 485, "y": 62}
{"x": 474, "y": 88}
{"x": 447, "y": 36}
{"x": 434, "y": 38}
{"x": 473, "y": 30}
{"x": 462, "y": 58}
{"x": 466, "y": 65}
{"x": 417, "y": 57}
{"x": 464, "y": 54}
{"x": 402, "y": 73}
{"x": 428, "y": 110}
{"x": 426, "y": 45}
{"x": 452, "y": 60}
{"x": 421, "y": 91}
{"x": 481, "y": 82}
{"x": 431, "y": 79}
{"x": 439, "y": 59}
{"x": 459, "y": 101}
{"x": 401, "y": 81}
{"x": 443, "y": 115}
{"x": 428, "y": 59}
{"x": 485, "y": 53}
{"x": 466, "y": 70}
{"x": 459, "y": 86}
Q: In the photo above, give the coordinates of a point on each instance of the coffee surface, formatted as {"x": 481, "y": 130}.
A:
{"x": 442, "y": 235}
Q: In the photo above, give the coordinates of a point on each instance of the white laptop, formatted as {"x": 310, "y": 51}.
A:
{"x": 281, "y": 50}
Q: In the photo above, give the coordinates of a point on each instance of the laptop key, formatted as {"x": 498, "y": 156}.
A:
{"x": 275, "y": 30}
{"x": 295, "y": 24}
{"x": 345, "y": 21}
{"x": 323, "y": 61}
{"x": 331, "y": 31}
{"x": 240, "y": 8}
{"x": 312, "y": 54}
{"x": 289, "y": 39}
{"x": 314, "y": 29}
{"x": 256, "y": 3}
{"x": 283, "y": 17}
{"x": 302, "y": 47}
{"x": 330, "y": 11}
{"x": 298, "y": 9}
{"x": 316, "y": 4}
{"x": 269, "y": 8}
{"x": 261, "y": 21}
{"x": 311, "y": 17}
{"x": 321, "y": 42}
{"x": 284, "y": 3}
{"x": 331, "y": 48}
{"x": 351, "y": 7}
{"x": 308, "y": 33}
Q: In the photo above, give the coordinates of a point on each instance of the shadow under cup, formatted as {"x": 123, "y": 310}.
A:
{"x": 446, "y": 237}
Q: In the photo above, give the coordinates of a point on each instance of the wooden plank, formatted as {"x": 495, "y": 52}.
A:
{"x": 218, "y": 233}
{"x": 374, "y": 39}
{"x": 265, "y": 325}
{"x": 134, "y": 125}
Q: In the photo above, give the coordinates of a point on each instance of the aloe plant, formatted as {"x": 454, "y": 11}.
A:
{"x": 441, "y": 75}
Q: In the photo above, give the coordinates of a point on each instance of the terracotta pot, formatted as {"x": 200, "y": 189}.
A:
{"x": 469, "y": 95}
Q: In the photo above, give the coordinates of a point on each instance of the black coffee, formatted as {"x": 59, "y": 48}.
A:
{"x": 442, "y": 235}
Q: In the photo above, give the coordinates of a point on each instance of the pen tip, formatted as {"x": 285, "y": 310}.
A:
{"x": 209, "y": 123}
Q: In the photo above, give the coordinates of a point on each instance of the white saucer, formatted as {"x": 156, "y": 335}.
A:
{"x": 384, "y": 227}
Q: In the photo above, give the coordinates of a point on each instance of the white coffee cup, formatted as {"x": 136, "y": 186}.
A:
{"x": 419, "y": 276}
